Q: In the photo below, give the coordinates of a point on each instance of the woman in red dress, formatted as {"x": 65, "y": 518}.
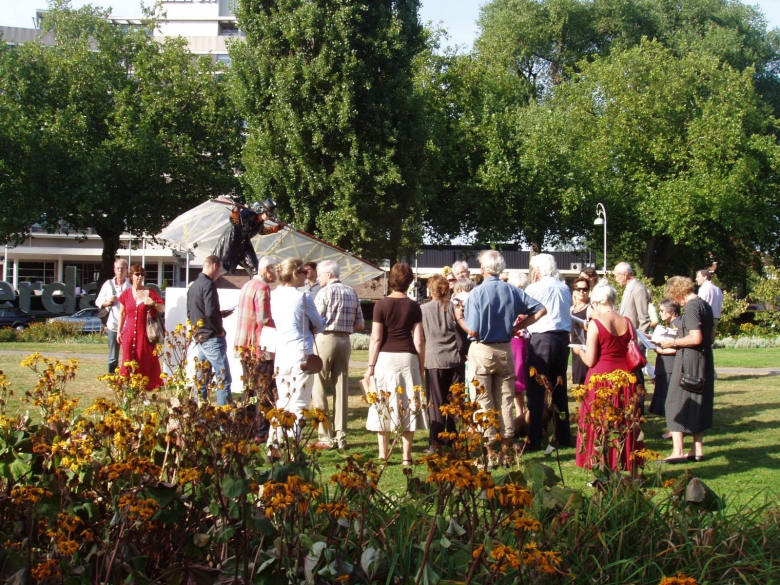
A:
{"x": 135, "y": 303}
{"x": 608, "y": 374}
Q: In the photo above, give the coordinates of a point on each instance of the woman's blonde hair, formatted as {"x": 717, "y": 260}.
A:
{"x": 678, "y": 287}
{"x": 288, "y": 268}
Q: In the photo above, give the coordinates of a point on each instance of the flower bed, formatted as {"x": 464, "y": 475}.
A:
{"x": 151, "y": 487}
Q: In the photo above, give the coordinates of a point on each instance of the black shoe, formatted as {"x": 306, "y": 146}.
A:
{"x": 696, "y": 458}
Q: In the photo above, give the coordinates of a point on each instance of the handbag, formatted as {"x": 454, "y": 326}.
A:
{"x": 635, "y": 358}
{"x": 312, "y": 363}
{"x": 104, "y": 312}
{"x": 155, "y": 327}
{"x": 693, "y": 384}
{"x": 689, "y": 382}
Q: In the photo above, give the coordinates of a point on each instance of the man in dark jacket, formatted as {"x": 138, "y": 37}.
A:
{"x": 205, "y": 316}
{"x": 234, "y": 247}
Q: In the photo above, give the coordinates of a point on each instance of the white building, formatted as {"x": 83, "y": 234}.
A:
{"x": 206, "y": 25}
{"x": 43, "y": 258}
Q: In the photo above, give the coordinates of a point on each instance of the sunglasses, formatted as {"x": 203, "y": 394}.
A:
{"x": 582, "y": 289}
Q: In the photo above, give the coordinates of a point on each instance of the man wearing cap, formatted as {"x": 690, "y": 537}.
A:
{"x": 340, "y": 306}
{"x": 234, "y": 247}
{"x": 490, "y": 314}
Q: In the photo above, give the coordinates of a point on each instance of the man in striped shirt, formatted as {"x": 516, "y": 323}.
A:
{"x": 254, "y": 313}
{"x": 340, "y": 306}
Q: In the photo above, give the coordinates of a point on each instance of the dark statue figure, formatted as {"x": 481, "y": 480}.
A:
{"x": 234, "y": 246}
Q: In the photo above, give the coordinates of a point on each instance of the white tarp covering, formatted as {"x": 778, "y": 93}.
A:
{"x": 198, "y": 230}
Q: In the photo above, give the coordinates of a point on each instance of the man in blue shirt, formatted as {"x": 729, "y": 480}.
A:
{"x": 490, "y": 314}
{"x": 548, "y": 351}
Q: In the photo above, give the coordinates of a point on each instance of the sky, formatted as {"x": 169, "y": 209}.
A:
{"x": 458, "y": 17}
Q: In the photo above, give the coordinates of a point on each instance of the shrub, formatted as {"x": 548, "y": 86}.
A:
{"x": 7, "y": 334}
{"x": 732, "y": 309}
{"x": 724, "y": 343}
{"x": 359, "y": 340}
{"x": 56, "y": 331}
{"x": 753, "y": 342}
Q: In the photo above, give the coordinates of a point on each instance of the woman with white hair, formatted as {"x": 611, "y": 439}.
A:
{"x": 606, "y": 352}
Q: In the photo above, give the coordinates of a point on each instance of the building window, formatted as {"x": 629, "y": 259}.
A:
{"x": 223, "y": 58}
{"x": 36, "y": 272}
{"x": 151, "y": 274}
{"x": 169, "y": 274}
{"x": 86, "y": 272}
{"x": 229, "y": 29}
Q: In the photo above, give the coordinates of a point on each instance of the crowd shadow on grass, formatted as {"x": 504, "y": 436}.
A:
{"x": 743, "y": 377}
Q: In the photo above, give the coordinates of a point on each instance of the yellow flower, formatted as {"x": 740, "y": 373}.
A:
{"x": 680, "y": 579}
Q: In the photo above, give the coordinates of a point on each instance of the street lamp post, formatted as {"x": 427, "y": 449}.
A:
{"x": 601, "y": 219}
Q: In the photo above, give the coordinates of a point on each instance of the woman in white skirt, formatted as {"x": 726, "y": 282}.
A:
{"x": 297, "y": 322}
{"x": 396, "y": 357}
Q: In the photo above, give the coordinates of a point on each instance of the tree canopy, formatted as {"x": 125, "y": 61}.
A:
{"x": 664, "y": 111}
{"x": 109, "y": 129}
{"x": 334, "y": 118}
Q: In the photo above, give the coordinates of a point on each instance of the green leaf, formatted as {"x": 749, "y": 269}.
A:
{"x": 140, "y": 562}
{"x": 235, "y": 487}
{"x": 200, "y": 539}
{"x": 225, "y": 535}
{"x": 161, "y": 494}
{"x": 264, "y": 526}
{"x": 201, "y": 575}
{"x": 18, "y": 469}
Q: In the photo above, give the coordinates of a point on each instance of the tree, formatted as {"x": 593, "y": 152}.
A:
{"x": 528, "y": 175}
{"x": 682, "y": 152}
{"x": 333, "y": 118}
{"x": 118, "y": 131}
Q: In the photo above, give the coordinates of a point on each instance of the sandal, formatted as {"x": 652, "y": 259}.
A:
{"x": 408, "y": 462}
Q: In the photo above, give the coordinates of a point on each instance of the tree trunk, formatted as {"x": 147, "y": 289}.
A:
{"x": 649, "y": 261}
{"x": 110, "y": 239}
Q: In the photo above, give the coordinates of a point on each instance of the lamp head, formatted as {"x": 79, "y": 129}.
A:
{"x": 599, "y": 221}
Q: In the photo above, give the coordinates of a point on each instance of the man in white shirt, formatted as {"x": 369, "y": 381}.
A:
{"x": 108, "y": 297}
{"x": 712, "y": 295}
{"x": 548, "y": 351}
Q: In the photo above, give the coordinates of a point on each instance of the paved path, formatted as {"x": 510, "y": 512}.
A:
{"x": 100, "y": 356}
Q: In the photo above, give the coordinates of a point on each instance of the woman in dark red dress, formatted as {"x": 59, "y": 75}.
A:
{"x": 606, "y": 356}
{"x": 135, "y": 303}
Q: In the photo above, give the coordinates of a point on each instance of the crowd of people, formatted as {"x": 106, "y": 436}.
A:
{"x": 509, "y": 338}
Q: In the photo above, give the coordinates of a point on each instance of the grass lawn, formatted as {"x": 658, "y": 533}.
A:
{"x": 742, "y": 450}
{"x": 99, "y": 346}
{"x": 768, "y": 357}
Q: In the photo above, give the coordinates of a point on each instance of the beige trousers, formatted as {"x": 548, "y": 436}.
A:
{"x": 334, "y": 349}
{"x": 493, "y": 366}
